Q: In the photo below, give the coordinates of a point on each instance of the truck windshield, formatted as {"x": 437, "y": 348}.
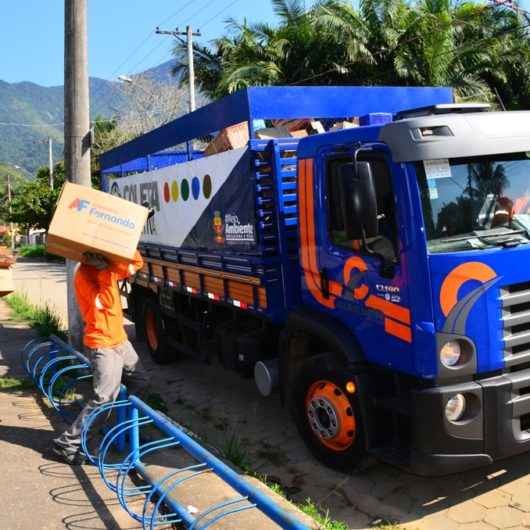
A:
{"x": 476, "y": 203}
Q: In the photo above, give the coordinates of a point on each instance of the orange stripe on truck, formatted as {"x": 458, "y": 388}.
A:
{"x": 398, "y": 330}
{"x": 389, "y": 309}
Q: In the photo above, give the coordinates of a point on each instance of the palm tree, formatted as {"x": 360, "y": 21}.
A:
{"x": 473, "y": 47}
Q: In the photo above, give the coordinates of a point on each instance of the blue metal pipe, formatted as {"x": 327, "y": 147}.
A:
{"x": 68, "y": 348}
{"x": 179, "y": 510}
{"x": 264, "y": 503}
{"x": 33, "y": 349}
{"x": 121, "y": 416}
{"x": 128, "y": 464}
{"x": 134, "y": 435}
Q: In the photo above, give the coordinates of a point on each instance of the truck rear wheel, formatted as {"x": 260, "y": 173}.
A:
{"x": 155, "y": 333}
{"x": 327, "y": 415}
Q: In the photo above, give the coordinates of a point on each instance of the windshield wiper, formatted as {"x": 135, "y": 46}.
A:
{"x": 505, "y": 243}
{"x": 492, "y": 233}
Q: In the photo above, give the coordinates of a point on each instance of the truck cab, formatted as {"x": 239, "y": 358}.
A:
{"x": 383, "y": 286}
{"x": 414, "y": 235}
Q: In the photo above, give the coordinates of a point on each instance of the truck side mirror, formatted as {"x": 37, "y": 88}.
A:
{"x": 346, "y": 183}
{"x": 358, "y": 201}
{"x": 365, "y": 199}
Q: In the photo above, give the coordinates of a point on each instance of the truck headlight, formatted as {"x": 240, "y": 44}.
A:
{"x": 450, "y": 353}
{"x": 455, "y": 407}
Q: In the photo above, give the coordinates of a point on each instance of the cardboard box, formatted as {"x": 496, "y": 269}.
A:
{"x": 273, "y": 132}
{"x": 88, "y": 220}
{"x": 232, "y": 137}
{"x": 302, "y": 133}
{"x": 7, "y": 285}
{"x": 344, "y": 125}
{"x": 292, "y": 125}
{"x": 296, "y": 128}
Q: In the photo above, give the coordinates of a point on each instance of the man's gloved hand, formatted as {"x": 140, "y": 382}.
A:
{"x": 97, "y": 261}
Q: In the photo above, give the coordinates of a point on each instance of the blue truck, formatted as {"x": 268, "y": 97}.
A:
{"x": 378, "y": 275}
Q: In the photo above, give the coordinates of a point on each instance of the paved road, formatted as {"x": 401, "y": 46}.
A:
{"x": 222, "y": 407}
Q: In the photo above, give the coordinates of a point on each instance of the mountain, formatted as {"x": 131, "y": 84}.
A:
{"x": 38, "y": 113}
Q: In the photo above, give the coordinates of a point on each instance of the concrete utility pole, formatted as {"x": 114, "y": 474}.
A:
{"x": 50, "y": 160}
{"x": 191, "y": 66}
{"x": 76, "y": 127}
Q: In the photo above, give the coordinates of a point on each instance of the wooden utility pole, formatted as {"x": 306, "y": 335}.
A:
{"x": 76, "y": 128}
{"x": 50, "y": 160}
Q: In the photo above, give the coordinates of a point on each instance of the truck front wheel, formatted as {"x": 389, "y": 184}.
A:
{"x": 327, "y": 415}
{"x": 155, "y": 333}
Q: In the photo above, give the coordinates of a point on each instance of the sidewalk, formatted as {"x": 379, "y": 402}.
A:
{"x": 37, "y": 492}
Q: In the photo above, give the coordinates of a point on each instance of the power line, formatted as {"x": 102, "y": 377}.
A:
{"x": 207, "y": 4}
{"x": 139, "y": 47}
{"x": 7, "y": 123}
{"x": 160, "y": 43}
{"x": 220, "y": 12}
{"x": 149, "y": 35}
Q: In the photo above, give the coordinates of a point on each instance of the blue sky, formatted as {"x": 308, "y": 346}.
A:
{"x": 31, "y": 39}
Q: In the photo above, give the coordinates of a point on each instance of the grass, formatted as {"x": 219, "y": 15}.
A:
{"x": 32, "y": 251}
{"x": 156, "y": 401}
{"x": 234, "y": 451}
{"x": 309, "y": 508}
{"x": 36, "y": 251}
{"x": 322, "y": 518}
{"x": 41, "y": 318}
{"x": 14, "y": 384}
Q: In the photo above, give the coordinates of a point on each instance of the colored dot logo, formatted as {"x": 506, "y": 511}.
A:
{"x": 173, "y": 191}
{"x": 207, "y": 186}
{"x": 196, "y": 187}
{"x": 185, "y": 190}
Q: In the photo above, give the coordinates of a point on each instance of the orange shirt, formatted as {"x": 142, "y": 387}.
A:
{"x": 99, "y": 301}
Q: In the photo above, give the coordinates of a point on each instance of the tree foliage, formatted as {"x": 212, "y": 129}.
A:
{"x": 483, "y": 51}
{"x": 34, "y": 200}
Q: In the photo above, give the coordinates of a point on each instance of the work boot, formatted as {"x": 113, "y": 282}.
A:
{"x": 71, "y": 457}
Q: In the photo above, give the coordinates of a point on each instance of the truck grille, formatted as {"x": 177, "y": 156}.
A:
{"x": 515, "y": 300}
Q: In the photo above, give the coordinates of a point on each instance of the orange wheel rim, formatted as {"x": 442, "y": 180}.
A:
{"x": 150, "y": 329}
{"x": 330, "y": 415}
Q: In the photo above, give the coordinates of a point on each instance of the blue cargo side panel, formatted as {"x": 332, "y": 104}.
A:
{"x": 202, "y": 205}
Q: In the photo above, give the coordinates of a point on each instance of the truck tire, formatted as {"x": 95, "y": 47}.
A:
{"x": 327, "y": 415}
{"x": 155, "y": 333}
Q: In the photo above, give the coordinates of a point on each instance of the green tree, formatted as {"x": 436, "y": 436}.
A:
{"x": 478, "y": 49}
{"x": 32, "y": 205}
{"x": 16, "y": 177}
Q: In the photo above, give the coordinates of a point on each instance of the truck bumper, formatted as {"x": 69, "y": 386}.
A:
{"x": 496, "y": 424}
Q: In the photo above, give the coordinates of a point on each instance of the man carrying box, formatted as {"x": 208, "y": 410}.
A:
{"x": 111, "y": 353}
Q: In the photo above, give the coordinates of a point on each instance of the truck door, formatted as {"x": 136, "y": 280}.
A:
{"x": 367, "y": 280}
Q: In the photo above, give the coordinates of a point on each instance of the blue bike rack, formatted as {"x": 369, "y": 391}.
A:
{"x": 51, "y": 361}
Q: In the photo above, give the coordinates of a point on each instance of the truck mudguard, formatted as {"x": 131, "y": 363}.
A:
{"x": 330, "y": 331}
